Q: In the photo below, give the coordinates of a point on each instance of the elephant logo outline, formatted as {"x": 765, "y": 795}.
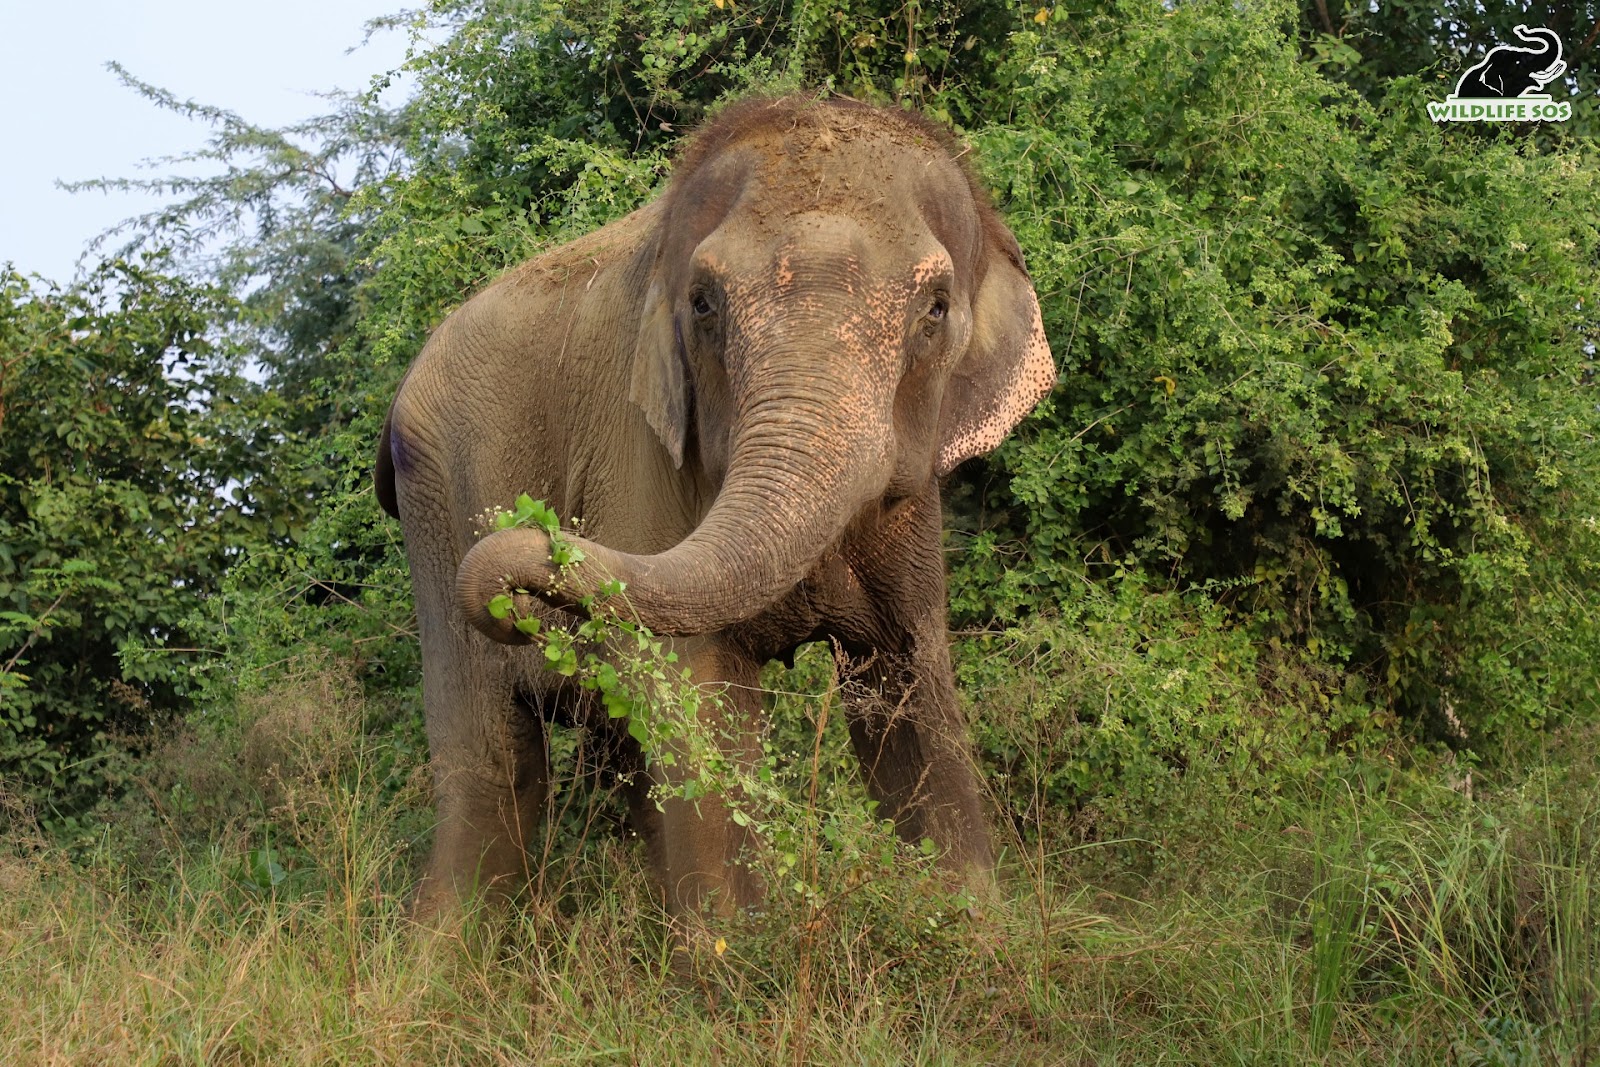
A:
{"x": 1508, "y": 71}
{"x": 1505, "y": 85}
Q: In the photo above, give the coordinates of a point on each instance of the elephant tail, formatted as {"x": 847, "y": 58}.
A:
{"x": 383, "y": 472}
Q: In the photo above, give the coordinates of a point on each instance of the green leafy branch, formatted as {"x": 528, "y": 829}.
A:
{"x": 636, "y": 682}
{"x": 637, "y": 679}
{"x": 73, "y": 576}
{"x": 676, "y": 725}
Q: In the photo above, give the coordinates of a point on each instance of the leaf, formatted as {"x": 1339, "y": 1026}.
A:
{"x": 564, "y": 553}
{"x": 544, "y": 518}
{"x": 262, "y": 869}
{"x": 500, "y": 606}
{"x": 638, "y": 731}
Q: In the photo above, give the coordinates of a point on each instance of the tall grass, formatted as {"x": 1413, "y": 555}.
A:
{"x": 1376, "y": 917}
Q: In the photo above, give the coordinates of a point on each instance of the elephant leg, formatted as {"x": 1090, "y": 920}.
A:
{"x": 491, "y": 781}
{"x": 908, "y": 731}
{"x": 699, "y": 853}
{"x": 488, "y": 757}
{"x": 905, "y": 723}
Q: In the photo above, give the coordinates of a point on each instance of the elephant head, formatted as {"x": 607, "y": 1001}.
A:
{"x": 831, "y": 317}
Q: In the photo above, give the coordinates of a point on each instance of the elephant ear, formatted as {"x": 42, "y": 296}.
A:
{"x": 661, "y": 387}
{"x": 1007, "y": 367}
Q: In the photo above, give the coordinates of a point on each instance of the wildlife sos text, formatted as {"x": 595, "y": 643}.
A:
{"x": 1517, "y": 109}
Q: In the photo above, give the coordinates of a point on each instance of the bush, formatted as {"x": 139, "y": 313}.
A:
{"x": 1322, "y": 361}
{"x": 132, "y": 464}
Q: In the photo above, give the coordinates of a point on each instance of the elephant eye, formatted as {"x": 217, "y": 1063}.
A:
{"x": 936, "y": 313}
{"x": 700, "y": 304}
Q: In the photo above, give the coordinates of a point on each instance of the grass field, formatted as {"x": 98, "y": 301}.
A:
{"x": 249, "y": 908}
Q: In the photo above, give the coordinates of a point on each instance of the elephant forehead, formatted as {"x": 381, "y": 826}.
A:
{"x": 882, "y": 184}
{"x": 932, "y": 267}
{"x": 886, "y": 299}
{"x": 817, "y": 254}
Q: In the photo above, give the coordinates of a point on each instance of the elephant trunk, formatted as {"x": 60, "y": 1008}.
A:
{"x": 1551, "y": 42}
{"x": 1549, "y": 55}
{"x": 796, "y": 477}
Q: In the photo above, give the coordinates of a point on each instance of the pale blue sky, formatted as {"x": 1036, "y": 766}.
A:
{"x": 63, "y": 115}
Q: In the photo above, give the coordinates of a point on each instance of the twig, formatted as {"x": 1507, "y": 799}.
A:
{"x": 34, "y": 636}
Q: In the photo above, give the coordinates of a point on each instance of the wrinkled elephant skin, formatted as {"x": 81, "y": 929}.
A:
{"x": 748, "y": 391}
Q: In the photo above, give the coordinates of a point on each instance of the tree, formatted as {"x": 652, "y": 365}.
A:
{"x": 133, "y": 463}
{"x": 1323, "y": 361}
{"x": 269, "y": 221}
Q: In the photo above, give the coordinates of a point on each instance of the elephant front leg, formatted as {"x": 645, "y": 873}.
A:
{"x": 700, "y": 853}
{"x": 491, "y": 780}
{"x": 918, "y": 761}
{"x": 905, "y": 723}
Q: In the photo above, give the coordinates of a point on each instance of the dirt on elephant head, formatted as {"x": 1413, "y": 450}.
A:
{"x": 807, "y": 129}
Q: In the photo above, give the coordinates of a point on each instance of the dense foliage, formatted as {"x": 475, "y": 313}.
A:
{"x": 1325, "y": 365}
{"x": 131, "y": 461}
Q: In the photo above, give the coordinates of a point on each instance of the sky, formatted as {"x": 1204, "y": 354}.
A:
{"x": 63, "y": 115}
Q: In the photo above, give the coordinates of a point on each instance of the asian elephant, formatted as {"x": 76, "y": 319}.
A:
{"x": 1509, "y": 71}
{"x": 748, "y": 391}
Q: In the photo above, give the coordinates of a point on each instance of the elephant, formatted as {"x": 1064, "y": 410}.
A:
{"x": 749, "y": 390}
{"x": 1509, "y": 71}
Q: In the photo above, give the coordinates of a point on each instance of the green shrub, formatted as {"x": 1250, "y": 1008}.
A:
{"x": 1321, "y": 360}
{"x": 132, "y": 463}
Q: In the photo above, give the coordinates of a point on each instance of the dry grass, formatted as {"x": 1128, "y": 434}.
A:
{"x": 1360, "y": 929}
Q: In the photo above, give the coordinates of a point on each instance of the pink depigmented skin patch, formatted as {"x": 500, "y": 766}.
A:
{"x": 934, "y": 265}
{"x": 1034, "y": 378}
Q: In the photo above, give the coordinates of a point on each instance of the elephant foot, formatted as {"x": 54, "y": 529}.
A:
{"x": 434, "y": 903}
